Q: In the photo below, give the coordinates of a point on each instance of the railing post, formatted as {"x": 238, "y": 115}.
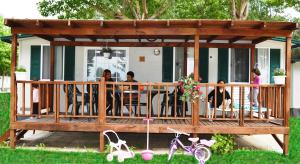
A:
{"x": 288, "y": 81}
{"x": 195, "y": 112}
{"x": 13, "y": 85}
{"x": 102, "y": 107}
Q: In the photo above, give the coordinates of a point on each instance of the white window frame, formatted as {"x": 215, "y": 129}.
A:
{"x": 99, "y": 48}
{"x": 229, "y": 68}
{"x": 41, "y": 61}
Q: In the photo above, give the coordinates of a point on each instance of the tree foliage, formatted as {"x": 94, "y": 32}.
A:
{"x": 267, "y": 10}
{"x": 4, "y": 51}
{"x": 108, "y": 9}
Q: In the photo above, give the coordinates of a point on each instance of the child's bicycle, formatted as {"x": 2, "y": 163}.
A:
{"x": 116, "y": 148}
{"x": 199, "y": 150}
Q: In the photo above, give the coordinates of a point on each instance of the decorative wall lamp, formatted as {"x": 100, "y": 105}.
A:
{"x": 156, "y": 51}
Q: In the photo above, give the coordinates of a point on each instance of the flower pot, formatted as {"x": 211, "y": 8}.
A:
{"x": 20, "y": 75}
{"x": 147, "y": 155}
{"x": 106, "y": 54}
{"x": 279, "y": 79}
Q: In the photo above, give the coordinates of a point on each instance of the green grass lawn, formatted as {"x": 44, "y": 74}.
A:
{"x": 4, "y": 112}
{"x": 21, "y": 155}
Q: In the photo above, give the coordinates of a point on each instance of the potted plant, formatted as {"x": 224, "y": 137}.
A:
{"x": 20, "y": 73}
{"x": 279, "y": 76}
{"x": 106, "y": 51}
{"x": 190, "y": 89}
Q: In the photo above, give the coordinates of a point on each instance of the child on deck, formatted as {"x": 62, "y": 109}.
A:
{"x": 35, "y": 99}
{"x": 256, "y": 81}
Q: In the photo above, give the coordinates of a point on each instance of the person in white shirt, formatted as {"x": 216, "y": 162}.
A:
{"x": 35, "y": 99}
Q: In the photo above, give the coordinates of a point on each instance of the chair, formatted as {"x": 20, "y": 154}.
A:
{"x": 94, "y": 97}
{"x": 134, "y": 101}
{"x": 70, "y": 94}
{"x": 171, "y": 103}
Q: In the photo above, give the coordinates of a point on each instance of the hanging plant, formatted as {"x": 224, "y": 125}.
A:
{"x": 190, "y": 89}
{"x": 106, "y": 50}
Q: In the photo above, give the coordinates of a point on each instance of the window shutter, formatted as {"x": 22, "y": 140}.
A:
{"x": 69, "y": 63}
{"x": 35, "y": 62}
{"x": 203, "y": 64}
{"x": 167, "y": 64}
{"x": 223, "y": 64}
{"x": 274, "y": 62}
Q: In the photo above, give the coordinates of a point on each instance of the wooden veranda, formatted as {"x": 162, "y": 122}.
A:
{"x": 270, "y": 118}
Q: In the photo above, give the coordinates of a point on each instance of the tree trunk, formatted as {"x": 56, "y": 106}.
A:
{"x": 2, "y": 83}
{"x": 239, "y": 10}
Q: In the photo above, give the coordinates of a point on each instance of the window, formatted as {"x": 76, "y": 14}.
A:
{"x": 59, "y": 63}
{"x": 178, "y": 63}
{"x": 40, "y": 62}
{"x": 262, "y": 60}
{"x": 117, "y": 63}
{"x": 45, "y": 62}
{"x": 239, "y": 65}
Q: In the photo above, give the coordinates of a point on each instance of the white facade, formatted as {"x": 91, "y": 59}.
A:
{"x": 151, "y": 68}
{"x": 295, "y": 87}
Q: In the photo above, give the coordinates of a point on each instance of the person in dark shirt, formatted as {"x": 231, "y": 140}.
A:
{"x": 134, "y": 96}
{"x": 130, "y": 78}
{"x": 220, "y": 90}
{"x": 109, "y": 91}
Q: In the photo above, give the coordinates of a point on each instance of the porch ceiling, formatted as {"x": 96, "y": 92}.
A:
{"x": 209, "y": 30}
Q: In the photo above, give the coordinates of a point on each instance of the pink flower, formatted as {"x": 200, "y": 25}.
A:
{"x": 197, "y": 87}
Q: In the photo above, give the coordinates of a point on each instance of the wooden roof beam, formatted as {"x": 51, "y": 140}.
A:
{"x": 150, "y": 44}
{"x": 39, "y": 23}
{"x": 291, "y": 27}
{"x": 263, "y": 25}
{"x": 199, "y": 23}
{"x": 236, "y": 39}
{"x": 230, "y": 25}
{"x": 134, "y": 23}
{"x": 101, "y": 23}
{"x": 46, "y": 37}
{"x": 186, "y": 39}
{"x": 259, "y": 40}
{"x": 168, "y": 23}
{"x": 70, "y": 38}
{"x": 210, "y": 39}
{"x": 93, "y": 39}
{"x": 71, "y": 24}
{"x": 11, "y": 23}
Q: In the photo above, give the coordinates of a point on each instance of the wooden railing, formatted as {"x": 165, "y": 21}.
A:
{"x": 100, "y": 100}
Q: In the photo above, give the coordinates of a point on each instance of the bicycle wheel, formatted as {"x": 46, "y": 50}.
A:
{"x": 202, "y": 153}
{"x": 173, "y": 147}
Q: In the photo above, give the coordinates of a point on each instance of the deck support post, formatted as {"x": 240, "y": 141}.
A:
{"x": 285, "y": 144}
{"x": 13, "y": 85}
{"x": 195, "y": 114}
{"x": 287, "y": 92}
{"x": 13, "y": 138}
{"x": 52, "y": 65}
{"x": 288, "y": 81}
{"x": 102, "y": 107}
{"x": 101, "y": 142}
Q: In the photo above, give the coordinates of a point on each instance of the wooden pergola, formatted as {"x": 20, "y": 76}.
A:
{"x": 153, "y": 33}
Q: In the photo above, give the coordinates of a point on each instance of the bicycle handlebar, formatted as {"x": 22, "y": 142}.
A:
{"x": 178, "y": 132}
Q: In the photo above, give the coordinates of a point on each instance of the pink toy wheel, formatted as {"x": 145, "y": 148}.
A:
{"x": 147, "y": 155}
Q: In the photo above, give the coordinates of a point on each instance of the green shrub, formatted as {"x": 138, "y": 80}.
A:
{"x": 279, "y": 72}
{"x": 4, "y": 112}
{"x": 20, "y": 69}
{"x": 224, "y": 144}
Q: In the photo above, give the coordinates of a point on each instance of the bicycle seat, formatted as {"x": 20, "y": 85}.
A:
{"x": 194, "y": 139}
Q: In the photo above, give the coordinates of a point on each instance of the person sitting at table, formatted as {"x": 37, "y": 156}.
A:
{"x": 134, "y": 96}
{"x": 109, "y": 92}
{"x": 211, "y": 96}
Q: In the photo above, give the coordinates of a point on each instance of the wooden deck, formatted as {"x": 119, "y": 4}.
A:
{"x": 157, "y": 126}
